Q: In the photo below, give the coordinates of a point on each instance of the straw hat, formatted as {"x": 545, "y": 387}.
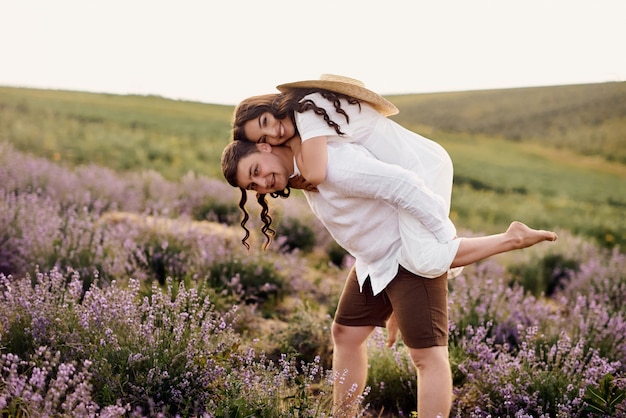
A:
{"x": 349, "y": 87}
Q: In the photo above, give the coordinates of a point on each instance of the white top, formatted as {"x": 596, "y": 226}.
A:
{"x": 359, "y": 204}
{"x": 424, "y": 250}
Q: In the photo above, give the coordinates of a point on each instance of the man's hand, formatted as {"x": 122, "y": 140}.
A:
{"x": 299, "y": 182}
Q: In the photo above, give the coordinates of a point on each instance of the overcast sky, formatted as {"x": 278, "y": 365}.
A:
{"x": 221, "y": 51}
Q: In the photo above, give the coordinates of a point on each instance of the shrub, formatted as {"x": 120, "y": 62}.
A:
{"x": 217, "y": 211}
{"x": 391, "y": 377}
{"x": 513, "y": 354}
{"x": 295, "y": 234}
{"x": 162, "y": 257}
{"x": 307, "y": 336}
{"x": 42, "y": 385}
{"x": 111, "y": 351}
{"x": 606, "y": 399}
{"x": 255, "y": 279}
{"x": 483, "y": 295}
{"x": 602, "y": 274}
{"x": 539, "y": 379}
{"x": 337, "y": 254}
{"x": 593, "y": 302}
{"x": 546, "y": 275}
{"x": 266, "y": 389}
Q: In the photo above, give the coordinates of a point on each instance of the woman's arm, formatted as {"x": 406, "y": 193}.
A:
{"x": 312, "y": 159}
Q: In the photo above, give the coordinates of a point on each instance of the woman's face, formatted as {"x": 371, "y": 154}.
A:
{"x": 269, "y": 130}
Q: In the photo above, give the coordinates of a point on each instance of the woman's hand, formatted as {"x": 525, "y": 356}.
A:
{"x": 299, "y": 182}
{"x": 392, "y": 330}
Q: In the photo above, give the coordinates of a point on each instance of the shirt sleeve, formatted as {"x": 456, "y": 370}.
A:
{"x": 311, "y": 125}
{"x": 357, "y": 173}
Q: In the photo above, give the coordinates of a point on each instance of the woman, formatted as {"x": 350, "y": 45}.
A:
{"x": 337, "y": 108}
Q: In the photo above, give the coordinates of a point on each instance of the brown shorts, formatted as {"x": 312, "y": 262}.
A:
{"x": 420, "y": 304}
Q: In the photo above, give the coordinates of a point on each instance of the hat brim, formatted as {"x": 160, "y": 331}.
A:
{"x": 378, "y": 102}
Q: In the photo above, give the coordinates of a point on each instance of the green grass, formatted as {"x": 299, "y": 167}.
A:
{"x": 529, "y": 168}
{"x": 589, "y": 119}
{"x": 554, "y": 157}
{"x": 122, "y": 132}
{"x": 497, "y": 181}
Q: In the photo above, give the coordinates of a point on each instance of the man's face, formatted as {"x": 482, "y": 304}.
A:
{"x": 264, "y": 171}
{"x": 267, "y": 129}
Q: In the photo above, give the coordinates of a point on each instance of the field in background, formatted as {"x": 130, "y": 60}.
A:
{"x": 125, "y": 133}
{"x": 588, "y": 119}
{"x": 554, "y": 157}
{"x": 143, "y": 307}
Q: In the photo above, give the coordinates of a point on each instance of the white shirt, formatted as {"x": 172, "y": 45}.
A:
{"x": 359, "y": 202}
{"x": 424, "y": 250}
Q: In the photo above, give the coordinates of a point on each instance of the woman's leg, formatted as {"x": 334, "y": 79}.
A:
{"x": 516, "y": 237}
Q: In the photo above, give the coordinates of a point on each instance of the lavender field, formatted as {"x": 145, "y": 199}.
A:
{"x": 115, "y": 303}
{"x": 127, "y": 294}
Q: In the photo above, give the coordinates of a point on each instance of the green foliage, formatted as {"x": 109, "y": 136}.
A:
{"x": 307, "y": 336}
{"x": 255, "y": 279}
{"x": 514, "y": 159}
{"x": 524, "y": 168}
{"x": 163, "y": 257}
{"x": 296, "y": 234}
{"x": 215, "y": 210}
{"x": 290, "y": 395}
{"x": 17, "y": 339}
{"x": 392, "y": 378}
{"x": 603, "y": 400}
{"x": 518, "y": 153}
{"x": 545, "y": 275}
{"x": 589, "y": 119}
{"x": 336, "y": 254}
{"x": 483, "y": 211}
{"x": 121, "y": 132}
{"x": 392, "y": 381}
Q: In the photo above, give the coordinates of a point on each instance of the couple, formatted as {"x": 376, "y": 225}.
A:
{"x": 383, "y": 192}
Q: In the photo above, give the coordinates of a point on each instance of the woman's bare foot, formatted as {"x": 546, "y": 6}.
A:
{"x": 523, "y": 236}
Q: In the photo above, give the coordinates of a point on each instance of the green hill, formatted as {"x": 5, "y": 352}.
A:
{"x": 121, "y": 132}
{"x": 589, "y": 119}
{"x": 551, "y": 156}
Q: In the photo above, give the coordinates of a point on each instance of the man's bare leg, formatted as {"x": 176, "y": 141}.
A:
{"x": 434, "y": 381}
{"x": 516, "y": 237}
{"x": 349, "y": 367}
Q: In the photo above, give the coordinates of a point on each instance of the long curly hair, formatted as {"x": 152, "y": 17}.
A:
{"x": 232, "y": 154}
{"x": 281, "y": 106}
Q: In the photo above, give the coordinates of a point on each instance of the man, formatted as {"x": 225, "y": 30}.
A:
{"x": 358, "y": 203}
